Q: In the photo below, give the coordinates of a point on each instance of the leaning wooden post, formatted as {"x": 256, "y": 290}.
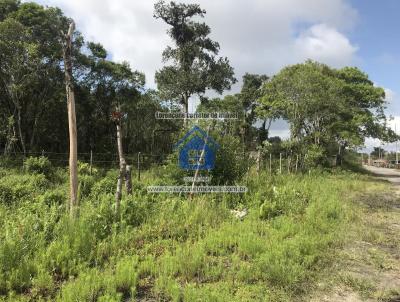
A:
{"x": 73, "y": 148}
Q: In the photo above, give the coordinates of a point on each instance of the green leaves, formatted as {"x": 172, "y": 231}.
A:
{"x": 326, "y": 106}
{"x": 194, "y": 67}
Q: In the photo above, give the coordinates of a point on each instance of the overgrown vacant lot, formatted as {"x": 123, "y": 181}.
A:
{"x": 168, "y": 247}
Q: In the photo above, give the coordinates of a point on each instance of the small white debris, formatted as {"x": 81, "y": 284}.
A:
{"x": 239, "y": 214}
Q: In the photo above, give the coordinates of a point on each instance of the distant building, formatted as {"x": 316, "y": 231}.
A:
{"x": 380, "y": 163}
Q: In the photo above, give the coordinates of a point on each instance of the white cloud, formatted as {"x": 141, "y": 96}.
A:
{"x": 393, "y": 103}
{"x": 393, "y": 123}
{"x": 325, "y": 44}
{"x": 258, "y": 36}
{"x": 389, "y": 95}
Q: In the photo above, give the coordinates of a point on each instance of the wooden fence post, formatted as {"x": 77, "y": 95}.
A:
{"x": 128, "y": 179}
{"x": 138, "y": 165}
{"x": 258, "y": 161}
{"x": 91, "y": 161}
{"x": 270, "y": 163}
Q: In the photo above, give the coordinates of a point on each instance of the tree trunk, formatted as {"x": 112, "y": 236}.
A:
{"x": 185, "y": 103}
{"x": 34, "y": 129}
{"x": 10, "y": 141}
{"x": 122, "y": 169}
{"x": 21, "y": 137}
{"x": 73, "y": 148}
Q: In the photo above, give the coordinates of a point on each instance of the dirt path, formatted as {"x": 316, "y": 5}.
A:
{"x": 368, "y": 267}
{"x": 390, "y": 175}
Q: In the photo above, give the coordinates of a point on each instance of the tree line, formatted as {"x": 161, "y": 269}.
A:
{"x": 328, "y": 110}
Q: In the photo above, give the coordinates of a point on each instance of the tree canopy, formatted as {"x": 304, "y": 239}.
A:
{"x": 32, "y": 91}
{"x": 326, "y": 106}
{"x": 194, "y": 66}
{"x": 329, "y": 108}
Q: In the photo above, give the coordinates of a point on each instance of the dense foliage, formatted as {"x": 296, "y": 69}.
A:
{"x": 33, "y": 111}
{"x": 328, "y": 109}
{"x": 194, "y": 66}
{"x": 164, "y": 247}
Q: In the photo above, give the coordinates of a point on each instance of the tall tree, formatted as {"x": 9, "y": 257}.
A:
{"x": 248, "y": 96}
{"x": 32, "y": 90}
{"x": 194, "y": 66}
{"x": 19, "y": 61}
{"x": 326, "y": 106}
{"x": 119, "y": 86}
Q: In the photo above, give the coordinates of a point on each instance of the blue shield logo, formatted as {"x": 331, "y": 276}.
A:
{"x": 197, "y": 150}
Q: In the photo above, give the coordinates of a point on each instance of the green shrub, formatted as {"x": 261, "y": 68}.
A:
{"x": 186, "y": 250}
{"x": 53, "y": 197}
{"x": 40, "y": 165}
{"x": 269, "y": 209}
{"x": 86, "y": 182}
{"x": 107, "y": 185}
{"x": 134, "y": 211}
{"x": 42, "y": 283}
{"x": 16, "y": 188}
{"x": 73, "y": 248}
{"x": 285, "y": 200}
{"x": 99, "y": 217}
{"x": 91, "y": 285}
{"x": 19, "y": 279}
{"x": 315, "y": 156}
{"x": 126, "y": 275}
{"x": 230, "y": 164}
{"x": 84, "y": 169}
{"x": 108, "y": 285}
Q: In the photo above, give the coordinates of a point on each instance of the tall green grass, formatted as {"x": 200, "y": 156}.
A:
{"x": 168, "y": 247}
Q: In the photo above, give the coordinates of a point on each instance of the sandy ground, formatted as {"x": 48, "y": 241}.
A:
{"x": 368, "y": 268}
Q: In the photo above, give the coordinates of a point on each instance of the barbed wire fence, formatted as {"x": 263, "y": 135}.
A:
{"x": 138, "y": 161}
{"x": 282, "y": 163}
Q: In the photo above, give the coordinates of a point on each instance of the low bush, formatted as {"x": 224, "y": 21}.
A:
{"x": 40, "y": 165}
{"x": 15, "y": 188}
{"x": 53, "y": 197}
{"x": 167, "y": 247}
{"x": 86, "y": 183}
{"x": 106, "y": 185}
{"x": 85, "y": 169}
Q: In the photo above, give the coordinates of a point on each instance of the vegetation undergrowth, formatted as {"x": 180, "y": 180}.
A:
{"x": 168, "y": 247}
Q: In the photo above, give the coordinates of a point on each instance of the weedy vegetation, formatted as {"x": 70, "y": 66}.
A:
{"x": 168, "y": 247}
